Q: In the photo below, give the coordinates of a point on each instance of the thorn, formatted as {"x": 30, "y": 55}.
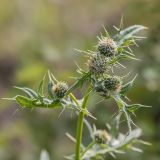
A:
{"x": 61, "y": 112}
{"x": 117, "y": 29}
{"x": 121, "y": 23}
{"x": 107, "y": 34}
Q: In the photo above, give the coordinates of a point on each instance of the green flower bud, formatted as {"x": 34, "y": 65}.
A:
{"x": 97, "y": 64}
{"x": 60, "y": 89}
{"x": 107, "y": 47}
{"x": 101, "y": 136}
{"x": 112, "y": 83}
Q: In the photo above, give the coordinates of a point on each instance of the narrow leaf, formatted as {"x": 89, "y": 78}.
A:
{"x": 119, "y": 101}
{"x": 29, "y": 103}
{"x": 79, "y": 82}
{"x": 50, "y": 93}
{"x": 127, "y": 33}
{"x": 134, "y": 107}
{"x": 41, "y": 85}
{"x": 24, "y": 101}
{"x": 127, "y": 86}
{"x": 32, "y": 94}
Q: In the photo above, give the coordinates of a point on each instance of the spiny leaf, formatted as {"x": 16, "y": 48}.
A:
{"x": 79, "y": 82}
{"x": 133, "y": 107}
{"x": 128, "y": 118}
{"x": 32, "y": 94}
{"x": 119, "y": 101}
{"x": 41, "y": 85}
{"x": 119, "y": 57}
{"x": 24, "y": 101}
{"x": 50, "y": 93}
{"x": 125, "y": 56}
{"x": 50, "y": 84}
{"x": 127, "y": 33}
{"x": 127, "y": 86}
{"x": 115, "y": 125}
{"x": 121, "y": 104}
{"x": 131, "y": 30}
{"x": 29, "y": 103}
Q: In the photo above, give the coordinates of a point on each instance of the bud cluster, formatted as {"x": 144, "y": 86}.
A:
{"x": 99, "y": 65}
{"x": 60, "y": 89}
{"x": 98, "y": 61}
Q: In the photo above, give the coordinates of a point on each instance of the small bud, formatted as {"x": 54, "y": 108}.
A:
{"x": 98, "y": 86}
{"x": 101, "y": 136}
{"x": 113, "y": 83}
{"x": 107, "y": 47}
{"x": 97, "y": 64}
{"x": 60, "y": 89}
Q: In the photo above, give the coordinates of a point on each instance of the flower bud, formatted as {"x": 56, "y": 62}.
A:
{"x": 98, "y": 86}
{"x": 60, "y": 89}
{"x": 101, "y": 136}
{"x": 107, "y": 47}
{"x": 97, "y": 64}
{"x": 113, "y": 83}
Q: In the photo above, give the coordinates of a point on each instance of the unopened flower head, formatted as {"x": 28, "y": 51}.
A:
{"x": 101, "y": 136}
{"x": 97, "y": 64}
{"x": 112, "y": 83}
{"x": 60, "y": 89}
{"x": 107, "y": 47}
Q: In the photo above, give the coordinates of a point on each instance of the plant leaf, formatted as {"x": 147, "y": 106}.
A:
{"x": 127, "y": 33}
{"x": 50, "y": 93}
{"x": 119, "y": 101}
{"x": 133, "y": 107}
{"x": 24, "y": 101}
{"x": 127, "y": 86}
{"x": 41, "y": 85}
{"x": 32, "y": 94}
{"x": 79, "y": 82}
{"x": 30, "y": 103}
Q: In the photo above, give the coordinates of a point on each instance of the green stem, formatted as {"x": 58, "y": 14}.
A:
{"x": 74, "y": 99}
{"x": 80, "y": 127}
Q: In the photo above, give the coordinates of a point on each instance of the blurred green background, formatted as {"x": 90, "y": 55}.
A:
{"x": 37, "y": 35}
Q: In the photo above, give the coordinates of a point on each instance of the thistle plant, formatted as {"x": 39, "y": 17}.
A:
{"x": 99, "y": 78}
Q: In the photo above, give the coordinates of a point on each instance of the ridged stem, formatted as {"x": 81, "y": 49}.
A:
{"x": 80, "y": 126}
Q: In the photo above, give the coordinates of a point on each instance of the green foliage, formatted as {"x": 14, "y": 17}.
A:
{"x": 127, "y": 87}
{"x": 103, "y": 82}
{"x": 127, "y": 36}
